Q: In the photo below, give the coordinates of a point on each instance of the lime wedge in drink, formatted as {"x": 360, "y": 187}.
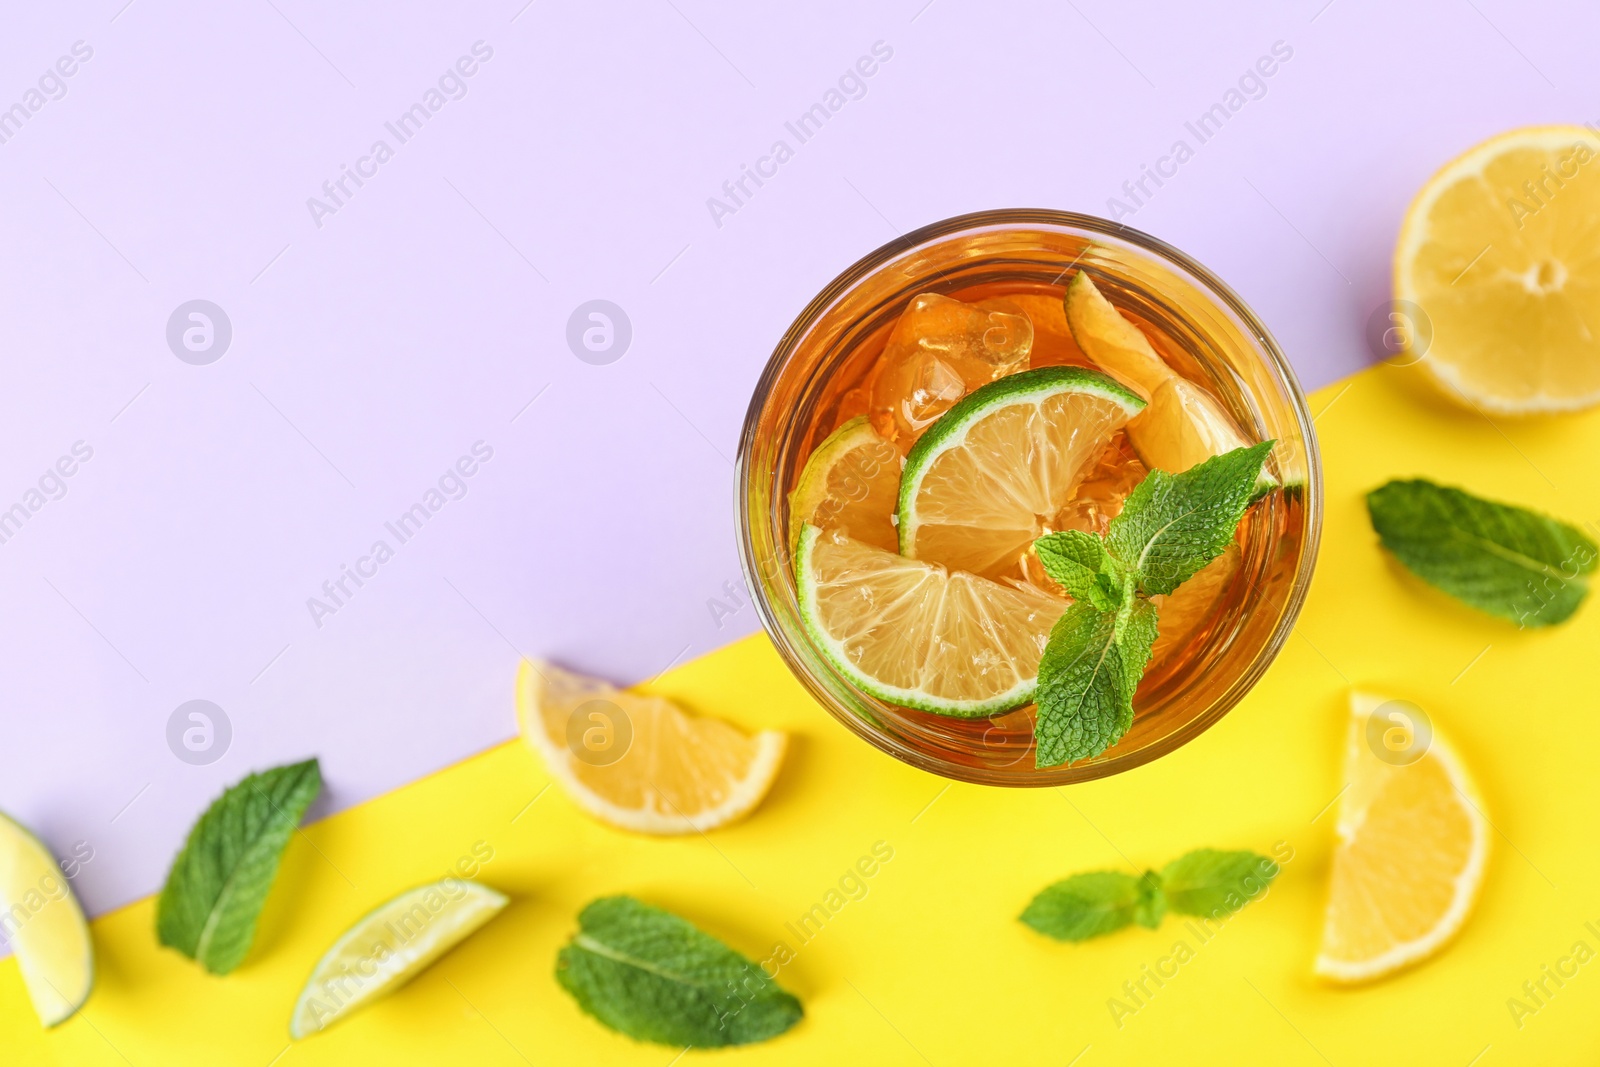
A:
{"x": 993, "y": 473}
{"x": 45, "y": 925}
{"x": 388, "y": 947}
{"x": 918, "y": 634}
{"x": 849, "y": 483}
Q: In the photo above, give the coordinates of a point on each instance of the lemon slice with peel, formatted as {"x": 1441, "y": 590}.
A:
{"x": 1109, "y": 339}
{"x": 1412, "y": 845}
{"x": 640, "y": 762}
{"x": 388, "y": 947}
{"x": 1183, "y": 424}
{"x": 1501, "y": 252}
{"x": 849, "y": 483}
{"x": 45, "y": 926}
{"x": 993, "y": 473}
{"x": 918, "y": 634}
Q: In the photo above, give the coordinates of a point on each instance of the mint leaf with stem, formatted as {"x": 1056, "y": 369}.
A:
{"x": 1171, "y": 525}
{"x": 1207, "y": 882}
{"x": 1087, "y": 677}
{"x": 1086, "y": 905}
{"x": 656, "y": 977}
{"x": 1078, "y": 561}
{"x": 1499, "y": 558}
{"x": 219, "y": 881}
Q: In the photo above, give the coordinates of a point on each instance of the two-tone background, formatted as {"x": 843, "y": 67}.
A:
{"x": 282, "y": 283}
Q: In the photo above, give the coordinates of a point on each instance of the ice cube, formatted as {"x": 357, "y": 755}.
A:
{"x": 940, "y": 350}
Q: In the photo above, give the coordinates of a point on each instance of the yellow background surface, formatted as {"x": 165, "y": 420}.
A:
{"x": 930, "y": 966}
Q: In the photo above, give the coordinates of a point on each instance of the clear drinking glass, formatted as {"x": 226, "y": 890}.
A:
{"x": 818, "y": 375}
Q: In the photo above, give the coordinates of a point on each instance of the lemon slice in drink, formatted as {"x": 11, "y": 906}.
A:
{"x": 641, "y": 762}
{"x": 918, "y": 634}
{"x": 45, "y": 926}
{"x": 1412, "y": 845}
{"x": 1498, "y": 252}
{"x": 850, "y": 483}
{"x": 1109, "y": 339}
{"x": 1183, "y": 425}
{"x": 990, "y": 476}
{"x": 388, "y": 947}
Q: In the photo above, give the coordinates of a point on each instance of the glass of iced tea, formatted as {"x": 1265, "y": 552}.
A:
{"x": 957, "y": 394}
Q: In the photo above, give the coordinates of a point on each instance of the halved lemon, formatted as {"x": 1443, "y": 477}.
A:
{"x": 640, "y": 762}
{"x": 850, "y": 483}
{"x": 388, "y": 947}
{"x": 918, "y": 634}
{"x": 991, "y": 475}
{"x": 1501, "y": 252}
{"x": 1183, "y": 424}
{"x": 1412, "y": 845}
{"x": 44, "y": 924}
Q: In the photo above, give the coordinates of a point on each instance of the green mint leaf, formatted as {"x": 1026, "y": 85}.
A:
{"x": 1212, "y": 884}
{"x": 655, "y": 977}
{"x": 1152, "y": 905}
{"x": 1085, "y": 906}
{"x": 1087, "y": 677}
{"x": 1171, "y": 525}
{"x": 1501, "y": 559}
{"x": 1079, "y": 563}
{"x": 219, "y": 882}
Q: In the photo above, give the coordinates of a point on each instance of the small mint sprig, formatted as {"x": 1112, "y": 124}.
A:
{"x": 1171, "y": 525}
{"x": 1207, "y": 883}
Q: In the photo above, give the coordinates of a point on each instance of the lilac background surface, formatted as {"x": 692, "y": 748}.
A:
{"x": 429, "y": 312}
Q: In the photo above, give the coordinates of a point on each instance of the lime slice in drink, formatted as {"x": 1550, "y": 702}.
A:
{"x": 388, "y": 947}
{"x": 45, "y": 925}
{"x": 917, "y": 634}
{"x": 850, "y": 483}
{"x": 991, "y": 475}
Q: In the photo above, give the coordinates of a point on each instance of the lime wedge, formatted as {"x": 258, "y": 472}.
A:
{"x": 45, "y": 925}
{"x": 388, "y": 947}
{"x": 917, "y": 634}
{"x": 849, "y": 483}
{"x": 992, "y": 474}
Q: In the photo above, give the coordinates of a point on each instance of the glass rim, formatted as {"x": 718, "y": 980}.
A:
{"x": 1017, "y": 219}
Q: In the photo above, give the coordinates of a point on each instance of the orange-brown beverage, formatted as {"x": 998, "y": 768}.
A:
{"x": 904, "y": 347}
